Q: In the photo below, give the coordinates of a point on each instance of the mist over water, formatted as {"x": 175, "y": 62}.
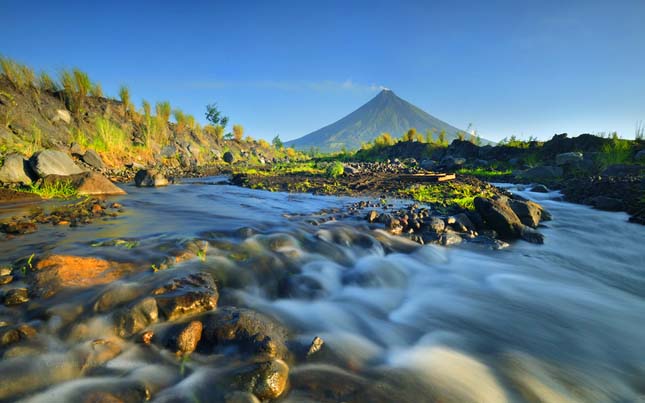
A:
{"x": 563, "y": 321}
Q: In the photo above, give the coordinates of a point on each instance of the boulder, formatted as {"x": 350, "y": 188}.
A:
{"x": 499, "y": 216}
{"x": 87, "y": 183}
{"x": 568, "y": 158}
{"x": 539, "y": 189}
{"x": 62, "y": 115}
{"x": 640, "y": 156}
{"x": 93, "y": 159}
{"x": 228, "y": 157}
{"x": 529, "y": 213}
{"x": 450, "y": 162}
{"x": 428, "y": 165}
{"x": 266, "y": 380}
{"x": 435, "y": 224}
{"x": 542, "y": 172}
{"x": 184, "y": 338}
{"x": 150, "y": 178}
{"x": 53, "y": 162}
{"x": 188, "y": 295}
{"x": 15, "y": 169}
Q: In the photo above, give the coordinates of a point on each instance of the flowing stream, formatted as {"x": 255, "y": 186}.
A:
{"x": 563, "y": 321}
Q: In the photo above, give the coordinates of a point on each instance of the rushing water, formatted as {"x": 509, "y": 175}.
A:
{"x": 563, "y": 321}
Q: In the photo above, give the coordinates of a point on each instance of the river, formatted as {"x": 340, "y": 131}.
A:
{"x": 563, "y": 321}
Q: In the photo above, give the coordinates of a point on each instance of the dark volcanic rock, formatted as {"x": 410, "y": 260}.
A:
{"x": 228, "y": 157}
{"x": 529, "y": 213}
{"x": 93, "y": 159}
{"x": 499, "y": 216}
{"x": 266, "y": 380}
{"x": 131, "y": 320}
{"x": 539, "y": 189}
{"x": 187, "y": 295}
{"x": 150, "y": 178}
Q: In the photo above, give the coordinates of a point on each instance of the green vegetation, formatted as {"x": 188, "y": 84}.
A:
{"x": 214, "y": 116}
{"x": 514, "y": 142}
{"x": 335, "y": 169}
{"x": 617, "y": 151}
{"x": 238, "y": 132}
{"x": 126, "y": 102}
{"x": 277, "y": 143}
{"x": 20, "y": 76}
{"x": 446, "y": 195}
{"x": 109, "y": 136}
{"x": 58, "y": 189}
{"x": 488, "y": 173}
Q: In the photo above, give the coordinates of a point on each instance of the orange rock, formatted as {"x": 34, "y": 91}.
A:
{"x": 63, "y": 222}
{"x": 56, "y": 272}
{"x": 96, "y": 209}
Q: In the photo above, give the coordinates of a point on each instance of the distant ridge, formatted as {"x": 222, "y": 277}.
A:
{"x": 386, "y": 112}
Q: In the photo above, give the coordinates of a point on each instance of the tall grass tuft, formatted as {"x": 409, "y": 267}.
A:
{"x": 109, "y": 137}
{"x": 19, "y": 75}
{"x": 97, "y": 91}
{"x": 46, "y": 83}
{"x": 126, "y": 101}
{"x": 180, "y": 118}
{"x": 616, "y": 151}
{"x": 238, "y": 132}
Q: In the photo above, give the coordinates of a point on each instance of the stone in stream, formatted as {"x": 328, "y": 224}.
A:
{"x": 529, "y": 213}
{"x": 18, "y": 227}
{"x": 16, "y": 296}
{"x": 13, "y": 334}
{"x": 16, "y": 169}
{"x": 539, "y": 189}
{"x": 133, "y": 319}
{"x": 87, "y": 183}
{"x": 56, "y": 272}
{"x": 266, "y": 380}
{"x": 184, "y": 338}
{"x": 435, "y": 224}
{"x": 449, "y": 239}
{"x": 244, "y": 331}
{"x": 53, "y": 162}
{"x": 499, "y": 216}
{"x": 372, "y": 216}
{"x": 188, "y": 295}
{"x": 150, "y": 178}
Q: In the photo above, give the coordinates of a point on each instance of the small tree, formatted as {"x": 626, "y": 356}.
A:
{"x": 214, "y": 116}
{"x": 277, "y": 143}
{"x": 238, "y": 132}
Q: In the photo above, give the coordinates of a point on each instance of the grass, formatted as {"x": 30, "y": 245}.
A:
{"x": 446, "y": 195}
{"x": 484, "y": 172}
{"x": 109, "y": 137}
{"x": 617, "y": 151}
{"x": 58, "y": 189}
{"x": 335, "y": 169}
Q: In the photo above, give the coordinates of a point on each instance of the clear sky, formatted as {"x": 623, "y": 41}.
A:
{"x": 529, "y": 68}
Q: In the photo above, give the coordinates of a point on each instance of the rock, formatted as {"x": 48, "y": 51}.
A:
{"x": 76, "y": 150}
{"x": 228, "y": 157}
{"x": 6, "y": 279}
{"x": 450, "y": 162}
{"x": 243, "y": 331}
{"x": 499, "y": 216}
{"x": 150, "y": 178}
{"x": 87, "y": 183}
{"x": 241, "y": 397}
{"x": 15, "y": 169}
{"x": 185, "y": 337}
{"x": 349, "y": 170}
{"x": 266, "y": 380}
{"x": 16, "y": 296}
{"x": 187, "y": 295}
{"x": 131, "y": 320}
{"x": 606, "y": 203}
{"x": 539, "y": 189}
{"x": 18, "y": 227}
{"x": 13, "y": 334}
{"x": 530, "y": 235}
{"x": 62, "y": 115}
{"x": 450, "y": 238}
{"x": 428, "y": 165}
{"x": 462, "y": 223}
{"x": 622, "y": 170}
{"x": 52, "y": 162}
{"x": 640, "y": 156}
{"x": 372, "y": 216}
{"x": 435, "y": 224}
{"x": 56, "y": 272}
{"x": 529, "y": 213}
{"x": 542, "y": 172}
{"x": 568, "y": 158}
{"x": 94, "y": 160}
{"x": 316, "y": 344}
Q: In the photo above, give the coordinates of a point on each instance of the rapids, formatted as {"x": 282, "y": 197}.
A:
{"x": 563, "y": 321}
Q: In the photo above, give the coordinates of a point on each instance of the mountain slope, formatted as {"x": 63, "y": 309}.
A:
{"x": 384, "y": 113}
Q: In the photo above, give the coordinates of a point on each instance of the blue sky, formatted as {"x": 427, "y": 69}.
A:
{"x": 528, "y": 68}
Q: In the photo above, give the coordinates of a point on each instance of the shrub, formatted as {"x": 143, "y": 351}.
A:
{"x": 238, "y": 132}
{"x": 385, "y": 139}
{"x": 124, "y": 95}
{"x": 412, "y": 135}
{"x": 263, "y": 143}
{"x": 335, "y": 170}
{"x": 163, "y": 110}
{"x": 109, "y": 137}
{"x": 616, "y": 151}
{"x": 180, "y": 118}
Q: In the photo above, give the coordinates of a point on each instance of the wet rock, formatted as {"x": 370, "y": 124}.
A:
{"x": 244, "y": 331}
{"x": 499, "y": 216}
{"x": 461, "y": 222}
{"x": 147, "y": 336}
{"x": 131, "y": 320}
{"x": 16, "y": 169}
{"x": 188, "y": 295}
{"x": 184, "y": 338}
{"x": 93, "y": 159}
{"x": 266, "y": 380}
{"x": 87, "y": 183}
{"x": 6, "y": 279}
{"x": 372, "y": 216}
{"x": 316, "y": 344}
{"x": 150, "y": 178}
{"x": 241, "y": 397}
{"x": 52, "y": 162}
{"x": 530, "y": 235}
{"x": 325, "y": 383}
{"x": 13, "y": 334}
{"x": 117, "y": 294}
{"x": 449, "y": 239}
{"x": 539, "y": 189}
{"x": 228, "y": 157}
{"x": 568, "y": 158}
{"x": 18, "y": 227}
{"x": 529, "y": 213}
{"x": 16, "y": 296}
{"x": 435, "y": 224}
{"x": 56, "y": 272}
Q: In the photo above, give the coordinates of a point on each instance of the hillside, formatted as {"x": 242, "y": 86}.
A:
{"x": 384, "y": 113}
